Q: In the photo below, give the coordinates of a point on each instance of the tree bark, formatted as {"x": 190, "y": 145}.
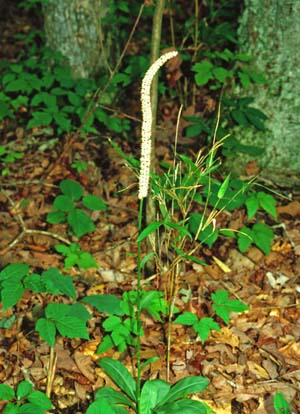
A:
{"x": 76, "y": 28}
{"x": 269, "y": 31}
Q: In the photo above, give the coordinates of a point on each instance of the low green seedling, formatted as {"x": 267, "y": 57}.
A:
{"x": 65, "y": 208}
{"x": 74, "y": 256}
{"x": 281, "y": 405}
{"x": 121, "y": 326}
{"x": 79, "y": 166}
{"x": 8, "y": 156}
{"x": 155, "y": 396}
{"x": 25, "y": 400}
{"x": 16, "y": 278}
{"x": 68, "y": 320}
{"x": 222, "y": 306}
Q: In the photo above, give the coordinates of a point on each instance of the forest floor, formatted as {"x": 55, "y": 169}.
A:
{"x": 249, "y": 360}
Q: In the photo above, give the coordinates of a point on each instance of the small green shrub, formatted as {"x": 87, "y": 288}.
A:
{"x": 24, "y": 400}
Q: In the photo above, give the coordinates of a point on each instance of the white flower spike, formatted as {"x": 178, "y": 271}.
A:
{"x": 147, "y": 121}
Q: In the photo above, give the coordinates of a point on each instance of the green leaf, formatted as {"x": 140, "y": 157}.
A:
{"x": 187, "y": 318}
{"x": 183, "y": 387}
{"x": 184, "y": 406}
{"x": 263, "y": 237}
{"x": 72, "y": 189}
{"x": 40, "y": 119}
{"x": 106, "y": 344}
{"x": 55, "y": 217}
{"x": 24, "y": 388}
{"x": 63, "y": 203}
{"x": 223, "y": 306}
{"x": 113, "y": 396}
{"x": 204, "y": 72}
{"x": 105, "y": 304}
{"x": 223, "y": 188}
{"x": 221, "y": 74}
{"x": 6, "y": 393}
{"x": 239, "y": 117}
{"x": 244, "y": 78}
{"x": 252, "y": 205}
{"x": 204, "y": 326}
{"x": 72, "y": 327}
{"x": 245, "y": 238}
{"x": 100, "y": 407}
{"x": 14, "y": 270}
{"x": 149, "y": 229}
{"x": 29, "y": 408}
{"x": 64, "y": 284}
{"x": 79, "y": 311}
{"x": 11, "y": 409}
{"x": 56, "y": 311}
{"x": 268, "y": 203}
{"x": 120, "y": 376}
{"x": 12, "y": 291}
{"x": 80, "y": 222}
{"x": 281, "y": 405}
{"x": 152, "y": 392}
{"x": 93, "y": 202}
{"x": 111, "y": 323}
{"x": 47, "y": 330}
{"x": 40, "y": 399}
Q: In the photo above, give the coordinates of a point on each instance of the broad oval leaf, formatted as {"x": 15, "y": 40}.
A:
{"x": 47, "y": 330}
{"x": 24, "y": 388}
{"x": 71, "y": 189}
{"x": 93, "y": 202}
{"x": 80, "y": 222}
{"x": 113, "y": 396}
{"x": 185, "y": 386}
{"x": 120, "y": 376}
{"x": 152, "y": 392}
{"x": 63, "y": 203}
{"x": 6, "y": 392}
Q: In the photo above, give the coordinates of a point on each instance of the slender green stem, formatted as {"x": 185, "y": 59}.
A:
{"x": 138, "y": 309}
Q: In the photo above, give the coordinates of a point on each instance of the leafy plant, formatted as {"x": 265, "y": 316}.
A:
{"x": 222, "y": 307}
{"x": 65, "y": 208}
{"x": 156, "y": 396}
{"x": 281, "y": 405}
{"x": 8, "y": 156}
{"x": 25, "y": 400}
{"x": 68, "y": 320}
{"x": 75, "y": 256}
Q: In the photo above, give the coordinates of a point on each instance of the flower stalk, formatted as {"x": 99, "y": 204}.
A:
{"x": 147, "y": 121}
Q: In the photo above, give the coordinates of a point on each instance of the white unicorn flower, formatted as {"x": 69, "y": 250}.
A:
{"x": 147, "y": 121}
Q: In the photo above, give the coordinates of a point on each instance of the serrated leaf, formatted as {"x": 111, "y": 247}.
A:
{"x": 223, "y": 306}
{"x": 14, "y": 270}
{"x": 63, "y": 203}
{"x": 245, "y": 239}
{"x": 111, "y": 323}
{"x": 56, "y": 310}
{"x": 40, "y": 399}
{"x": 55, "y": 217}
{"x": 106, "y": 344}
{"x": 12, "y": 291}
{"x": 221, "y": 74}
{"x": 184, "y": 387}
{"x": 93, "y": 202}
{"x": 204, "y": 327}
{"x": 72, "y": 327}
{"x": 120, "y": 376}
{"x": 24, "y": 388}
{"x": 263, "y": 237}
{"x": 6, "y": 393}
{"x": 79, "y": 311}
{"x": 80, "y": 222}
{"x": 47, "y": 330}
{"x": 187, "y": 318}
{"x": 252, "y": 205}
{"x": 105, "y": 304}
{"x": 268, "y": 203}
{"x": 72, "y": 189}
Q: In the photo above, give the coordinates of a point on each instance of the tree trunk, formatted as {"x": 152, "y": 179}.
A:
{"x": 80, "y": 31}
{"x": 269, "y": 31}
